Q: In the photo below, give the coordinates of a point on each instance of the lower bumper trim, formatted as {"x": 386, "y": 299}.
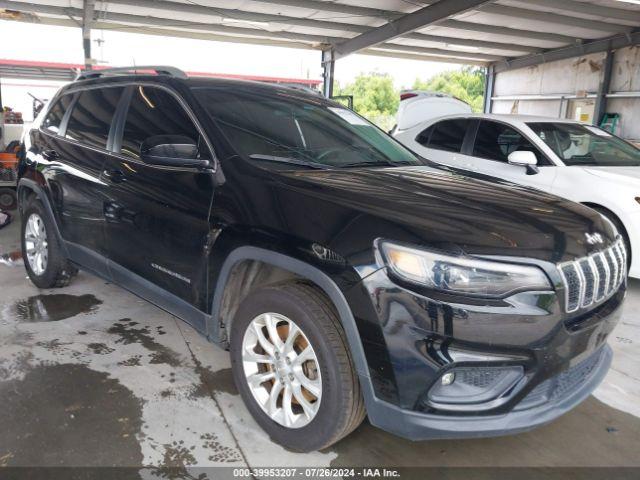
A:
{"x": 420, "y": 426}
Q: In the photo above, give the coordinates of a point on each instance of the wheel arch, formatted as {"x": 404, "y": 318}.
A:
{"x": 619, "y": 224}
{"x": 609, "y": 212}
{"x": 297, "y": 269}
{"x": 28, "y": 188}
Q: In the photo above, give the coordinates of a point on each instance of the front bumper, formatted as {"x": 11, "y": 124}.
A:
{"x": 419, "y": 338}
{"x": 420, "y": 426}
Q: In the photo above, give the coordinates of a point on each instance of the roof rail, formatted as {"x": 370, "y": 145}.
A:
{"x": 158, "y": 69}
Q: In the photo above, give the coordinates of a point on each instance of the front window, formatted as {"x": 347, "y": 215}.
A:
{"x": 586, "y": 145}
{"x": 278, "y": 127}
{"x": 496, "y": 141}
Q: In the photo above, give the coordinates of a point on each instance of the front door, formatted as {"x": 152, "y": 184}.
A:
{"x": 157, "y": 217}
{"x": 494, "y": 141}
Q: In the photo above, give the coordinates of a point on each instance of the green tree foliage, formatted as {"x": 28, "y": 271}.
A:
{"x": 467, "y": 84}
{"x": 374, "y": 97}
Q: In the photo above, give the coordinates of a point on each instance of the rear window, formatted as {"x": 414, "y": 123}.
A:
{"x": 448, "y": 135}
{"x": 53, "y": 119}
{"x": 91, "y": 117}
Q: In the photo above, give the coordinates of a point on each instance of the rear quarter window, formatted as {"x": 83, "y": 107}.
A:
{"x": 54, "y": 118}
{"x": 447, "y": 135}
{"x": 91, "y": 117}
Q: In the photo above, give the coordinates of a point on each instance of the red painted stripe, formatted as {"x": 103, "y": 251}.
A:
{"x": 76, "y": 66}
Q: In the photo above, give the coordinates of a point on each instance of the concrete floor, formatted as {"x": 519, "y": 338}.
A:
{"x": 91, "y": 375}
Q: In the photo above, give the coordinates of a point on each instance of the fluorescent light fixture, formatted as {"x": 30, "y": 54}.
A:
{"x": 637, "y": 2}
{"x": 246, "y": 22}
{"x": 463, "y": 48}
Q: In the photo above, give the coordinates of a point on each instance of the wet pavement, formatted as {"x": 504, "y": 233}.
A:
{"x": 91, "y": 375}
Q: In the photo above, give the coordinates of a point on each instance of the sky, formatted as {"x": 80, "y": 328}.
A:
{"x": 64, "y": 44}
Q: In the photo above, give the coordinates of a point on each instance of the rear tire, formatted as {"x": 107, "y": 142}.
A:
{"x": 44, "y": 259}
{"x": 8, "y": 199}
{"x": 333, "y": 405}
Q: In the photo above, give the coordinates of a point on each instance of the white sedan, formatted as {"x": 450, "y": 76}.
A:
{"x": 580, "y": 162}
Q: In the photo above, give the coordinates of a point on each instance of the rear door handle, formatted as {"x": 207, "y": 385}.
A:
{"x": 50, "y": 154}
{"x": 115, "y": 176}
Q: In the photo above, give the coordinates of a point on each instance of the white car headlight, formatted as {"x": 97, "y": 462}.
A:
{"x": 461, "y": 275}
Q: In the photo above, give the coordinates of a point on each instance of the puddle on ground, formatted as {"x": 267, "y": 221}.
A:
{"x": 128, "y": 333}
{"x": 210, "y": 382}
{"x": 12, "y": 259}
{"x": 51, "y": 307}
{"x": 97, "y": 417}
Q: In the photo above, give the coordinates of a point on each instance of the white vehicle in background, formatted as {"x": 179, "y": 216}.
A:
{"x": 414, "y": 104}
{"x": 573, "y": 160}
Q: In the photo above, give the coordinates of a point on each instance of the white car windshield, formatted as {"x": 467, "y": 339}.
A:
{"x": 586, "y": 145}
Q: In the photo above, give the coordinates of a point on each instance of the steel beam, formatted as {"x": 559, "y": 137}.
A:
{"x": 328, "y": 69}
{"x": 489, "y": 81}
{"x": 424, "y": 58}
{"x": 470, "y": 42}
{"x": 605, "y": 13}
{"x": 436, "y": 51}
{"x": 604, "y": 88}
{"x": 337, "y": 8}
{"x": 520, "y": 36}
{"x": 595, "y": 46}
{"x": 553, "y": 18}
{"x": 408, "y": 23}
{"x": 87, "y": 21}
{"x": 240, "y": 15}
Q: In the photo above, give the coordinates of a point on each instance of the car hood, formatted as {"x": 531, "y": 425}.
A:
{"x": 436, "y": 207}
{"x": 628, "y": 175}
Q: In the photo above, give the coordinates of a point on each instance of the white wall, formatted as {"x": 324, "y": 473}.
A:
{"x": 571, "y": 77}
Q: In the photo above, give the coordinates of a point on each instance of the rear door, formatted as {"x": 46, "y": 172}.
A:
{"x": 489, "y": 153}
{"x": 75, "y": 150}
{"x": 157, "y": 217}
{"x": 443, "y": 141}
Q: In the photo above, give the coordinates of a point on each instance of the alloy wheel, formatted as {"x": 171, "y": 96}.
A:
{"x": 36, "y": 244}
{"x": 282, "y": 370}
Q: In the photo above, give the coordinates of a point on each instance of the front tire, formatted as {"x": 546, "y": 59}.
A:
{"x": 44, "y": 260}
{"x": 292, "y": 366}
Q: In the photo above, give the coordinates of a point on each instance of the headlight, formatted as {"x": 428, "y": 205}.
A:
{"x": 461, "y": 274}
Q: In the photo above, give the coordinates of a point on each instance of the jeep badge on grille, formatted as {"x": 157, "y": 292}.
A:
{"x": 593, "y": 238}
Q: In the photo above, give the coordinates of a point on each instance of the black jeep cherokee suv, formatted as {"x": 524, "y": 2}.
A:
{"x": 347, "y": 276}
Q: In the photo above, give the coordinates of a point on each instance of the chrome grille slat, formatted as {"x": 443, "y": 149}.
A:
{"x": 603, "y": 275}
{"x": 614, "y": 271}
{"x": 592, "y": 279}
{"x": 589, "y": 278}
{"x": 619, "y": 260}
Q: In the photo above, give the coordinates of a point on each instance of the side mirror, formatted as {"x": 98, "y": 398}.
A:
{"x": 171, "y": 151}
{"x": 524, "y": 159}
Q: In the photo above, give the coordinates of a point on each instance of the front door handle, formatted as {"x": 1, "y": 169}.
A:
{"x": 115, "y": 176}
{"x": 112, "y": 212}
{"x": 50, "y": 154}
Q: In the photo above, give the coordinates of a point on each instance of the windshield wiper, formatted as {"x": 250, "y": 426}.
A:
{"x": 289, "y": 160}
{"x": 375, "y": 163}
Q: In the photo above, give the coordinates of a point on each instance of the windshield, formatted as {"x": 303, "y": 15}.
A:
{"x": 586, "y": 145}
{"x": 287, "y": 129}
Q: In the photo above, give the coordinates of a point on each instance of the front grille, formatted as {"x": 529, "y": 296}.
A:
{"x": 591, "y": 279}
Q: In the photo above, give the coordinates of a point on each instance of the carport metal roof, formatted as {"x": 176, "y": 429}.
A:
{"x": 68, "y": 71}
{"x": 500, "y": 33}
